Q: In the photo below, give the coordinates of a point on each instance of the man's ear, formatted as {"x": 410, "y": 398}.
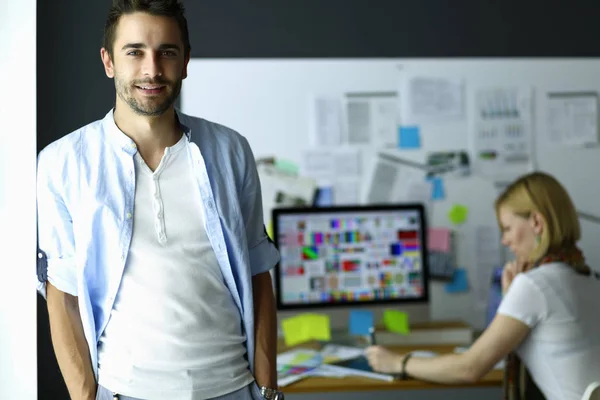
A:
{"x": 537, "y": 222}
{"x": 107, "y": 62}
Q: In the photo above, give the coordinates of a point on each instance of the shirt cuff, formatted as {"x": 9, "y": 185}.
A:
{"x": 263, "y": 257}
{"x": 62, "y": 274}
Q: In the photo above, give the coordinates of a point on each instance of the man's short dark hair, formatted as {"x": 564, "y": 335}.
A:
{"x": 164, "y": 8}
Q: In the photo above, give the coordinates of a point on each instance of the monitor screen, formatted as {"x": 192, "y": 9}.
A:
{"x": 350, "y": 255}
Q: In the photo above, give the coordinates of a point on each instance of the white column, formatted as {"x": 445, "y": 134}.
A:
{"x": 18, "y": 354}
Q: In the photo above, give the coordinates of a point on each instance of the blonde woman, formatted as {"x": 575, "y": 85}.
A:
{"x": 549, "y": 314}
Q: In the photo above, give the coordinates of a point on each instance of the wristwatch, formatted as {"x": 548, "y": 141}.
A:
{"x": 271, "y": 394}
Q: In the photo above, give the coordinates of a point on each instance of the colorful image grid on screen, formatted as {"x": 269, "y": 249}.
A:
{"x": 343, "y": 258}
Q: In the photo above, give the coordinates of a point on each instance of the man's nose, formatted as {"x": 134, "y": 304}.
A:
{"x": 152, "y": 66}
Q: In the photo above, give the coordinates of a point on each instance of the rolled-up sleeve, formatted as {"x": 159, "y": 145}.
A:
{"x": 55, "y": 227}
{"x": 263, "y": 253}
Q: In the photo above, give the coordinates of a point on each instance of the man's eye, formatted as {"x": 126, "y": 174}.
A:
{"x": 134, "y": 53}
{"x": 169, "y": 53}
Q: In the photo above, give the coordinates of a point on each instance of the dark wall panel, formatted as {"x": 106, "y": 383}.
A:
{"x": 393, "y": 28}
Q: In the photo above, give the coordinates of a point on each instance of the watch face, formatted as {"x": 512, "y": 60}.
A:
{"x": 279, "y": 396}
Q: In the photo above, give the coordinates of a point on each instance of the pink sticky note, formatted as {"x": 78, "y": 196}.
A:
{"x": 438, "y": 239}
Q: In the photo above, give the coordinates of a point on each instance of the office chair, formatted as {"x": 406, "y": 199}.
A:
{"x": 592, "y": 392}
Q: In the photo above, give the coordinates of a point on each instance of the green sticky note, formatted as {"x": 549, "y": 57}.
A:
{"x": 458, "y": 214}
{"x": 396, "y": 321}
{"x": 295, "y": 331}
{"x": 319, "y": 327}
{"x": 286, "y": 166}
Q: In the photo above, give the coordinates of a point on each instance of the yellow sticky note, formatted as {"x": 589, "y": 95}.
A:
{"x": 458, "y": 214}
{"x": 295, "y": 331}
{"x": 319, "y": 327}
{"x": 270, "y": 230}
{"x": 396, "y": 321}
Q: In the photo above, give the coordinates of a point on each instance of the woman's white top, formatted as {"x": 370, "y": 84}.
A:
{"x": 562, "y": 308}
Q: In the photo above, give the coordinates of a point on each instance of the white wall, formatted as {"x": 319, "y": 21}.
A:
{"x": 269, "y": 102}
{"x": 18, "y": 368}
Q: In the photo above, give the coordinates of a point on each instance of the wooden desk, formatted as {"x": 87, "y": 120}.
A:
{"x": 354, "y": 384}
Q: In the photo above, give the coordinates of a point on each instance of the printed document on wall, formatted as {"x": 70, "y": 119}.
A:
{"x": 434, "y": 99}
{"x": 327, "y": 117}
{"x": 340, "y": 168}
{"x": 573, "y": 118}
{"x": 489, "y": 256}
{"x": 503, "y": 132}
{"x": 372, "y": 118}
{"x": 393, "y": 182}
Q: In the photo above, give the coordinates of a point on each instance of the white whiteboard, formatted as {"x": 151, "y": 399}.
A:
{"x": 269, "y": 102}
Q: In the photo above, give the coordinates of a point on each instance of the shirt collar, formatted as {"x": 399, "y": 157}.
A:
{"x": 123, "y": 141}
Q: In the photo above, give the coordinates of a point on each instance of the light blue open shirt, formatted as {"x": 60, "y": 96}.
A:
{"x": 86, "y": 190}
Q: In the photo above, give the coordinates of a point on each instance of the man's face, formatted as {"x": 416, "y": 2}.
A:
{"x": 148, "y": 62}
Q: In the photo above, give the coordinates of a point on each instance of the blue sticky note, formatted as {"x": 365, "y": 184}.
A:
{"x": 409, "y": 137}
{"x": 360, "y": 322}
{"x": 324, "y": 197}
{"x": 437, "y": 188}
{"x": 460, "y": 282}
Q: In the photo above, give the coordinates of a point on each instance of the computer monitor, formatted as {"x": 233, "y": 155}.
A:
{"x": 349, "y": 256}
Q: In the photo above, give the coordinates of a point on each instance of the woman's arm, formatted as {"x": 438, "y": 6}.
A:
{"x": 502, "y": 336}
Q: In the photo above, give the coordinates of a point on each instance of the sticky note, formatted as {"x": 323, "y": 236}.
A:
{"x": 460, "y": 282}
{"x": 286, "y": 166}
{"x": 360, "y": 322}
{"x": 437, "y": 188}
{"x": 409, "y": 137}
{"x": 438, "y": 239}
{"x": 319, "y": 328}
{"x": 396, "y": 321}
{"x": 270, "y": 230}
{"x": 295, "y": 331}
{"x": 458, "y": 214}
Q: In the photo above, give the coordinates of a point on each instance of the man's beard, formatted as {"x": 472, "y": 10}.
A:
{"x": 151, "y": 108}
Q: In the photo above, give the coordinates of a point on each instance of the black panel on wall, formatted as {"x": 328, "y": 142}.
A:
{"x": 393, "y": 28}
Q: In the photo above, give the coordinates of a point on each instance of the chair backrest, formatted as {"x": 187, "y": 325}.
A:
{"x": 592, "y": 392}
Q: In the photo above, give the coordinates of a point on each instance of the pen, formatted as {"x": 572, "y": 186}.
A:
{"x": 372, "y": 336}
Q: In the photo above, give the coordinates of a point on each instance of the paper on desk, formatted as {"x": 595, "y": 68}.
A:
{"x": 438, "y": 239}
{"x": 334, "y": 352}
{"x": 295, "y": 364}
{"x": 327, "y": 122}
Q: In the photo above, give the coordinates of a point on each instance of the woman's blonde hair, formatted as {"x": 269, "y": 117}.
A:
{"x": 542, "y": 193}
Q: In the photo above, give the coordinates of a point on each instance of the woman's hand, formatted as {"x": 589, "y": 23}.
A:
{"x": 383, "y": 360}
{"x": 510, "y": 271}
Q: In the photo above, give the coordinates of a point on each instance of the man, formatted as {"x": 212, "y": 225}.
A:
{"x": 150, "y": 228}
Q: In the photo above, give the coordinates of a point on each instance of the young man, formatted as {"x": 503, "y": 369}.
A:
{"x": 155, "y": 261}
